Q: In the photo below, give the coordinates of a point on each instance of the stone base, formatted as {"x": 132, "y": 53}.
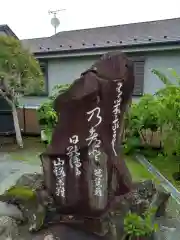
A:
{"x": 40, "y": 212}
{"x": 98, "y": 226}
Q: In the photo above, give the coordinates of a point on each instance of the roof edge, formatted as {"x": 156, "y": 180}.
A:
{"x": 8, "y": 31}
{"x": 124, "y": 47}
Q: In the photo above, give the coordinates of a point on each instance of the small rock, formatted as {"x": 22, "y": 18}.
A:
{"x": 8, "y": 229}
{"x": 138, "y": 200}
{"x": 146, "y": 189}
{"x": 33, "y": 181}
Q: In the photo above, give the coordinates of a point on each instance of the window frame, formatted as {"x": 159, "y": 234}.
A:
{"x": 139, "y": 84}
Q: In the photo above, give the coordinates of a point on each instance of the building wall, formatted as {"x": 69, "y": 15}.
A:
{"x": 61, "y": 71}
{"x": 68, "y": 69}
{"x": 161, "y": 61}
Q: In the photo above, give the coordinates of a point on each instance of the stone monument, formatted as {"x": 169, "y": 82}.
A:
{"x": 83, "y": 169}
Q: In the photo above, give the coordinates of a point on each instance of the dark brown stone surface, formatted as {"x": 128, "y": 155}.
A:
{"x": 83, "y": 167}
{"x": 63, "y": 232}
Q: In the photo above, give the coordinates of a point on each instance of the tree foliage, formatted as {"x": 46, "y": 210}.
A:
{"x": 20, "y": 72}
{"x": 169, "y": 113}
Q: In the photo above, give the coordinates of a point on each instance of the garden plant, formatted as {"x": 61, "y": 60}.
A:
{"x": 47, "y": 115}
{"x": 156, "y": 112}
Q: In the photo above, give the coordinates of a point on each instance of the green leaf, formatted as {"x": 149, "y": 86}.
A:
{"x": 175, "y": 75}
{"x": 161, "y": 76}
{"x": 136, "y": 226}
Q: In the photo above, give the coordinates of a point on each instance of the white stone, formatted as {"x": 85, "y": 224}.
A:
{"x": 10, "y": 211}
{"x": 43, "y": 136}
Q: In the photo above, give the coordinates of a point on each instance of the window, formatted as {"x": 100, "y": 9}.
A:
{"x": 139, "y": 77}
{"x": 138, "y": 74}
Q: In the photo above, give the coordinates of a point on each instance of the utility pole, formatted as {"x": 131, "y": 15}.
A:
{"x": 55, "y": 21}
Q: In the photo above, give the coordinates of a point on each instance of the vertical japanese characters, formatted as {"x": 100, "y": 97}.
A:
{"x": 95, "y": 152}
{"x": 116, "y": 112}
{"x": 74, "y": 155}
{"x": 58, "y": 169}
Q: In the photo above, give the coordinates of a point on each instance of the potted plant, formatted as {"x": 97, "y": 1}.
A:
{"x": 139, "y": 227}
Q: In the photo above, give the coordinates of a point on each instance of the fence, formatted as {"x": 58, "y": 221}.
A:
{"x": 28, "y": 120}
{"x": 29, "y": 125}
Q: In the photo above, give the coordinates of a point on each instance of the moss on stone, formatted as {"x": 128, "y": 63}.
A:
{"x": 21, "y": 193}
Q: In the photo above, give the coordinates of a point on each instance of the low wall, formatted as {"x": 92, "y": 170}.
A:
{"x": 151, "y": 138}
{"x": 28, "y": 120}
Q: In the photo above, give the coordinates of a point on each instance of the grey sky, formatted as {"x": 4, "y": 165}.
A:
{"x": 30, "y": 19}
